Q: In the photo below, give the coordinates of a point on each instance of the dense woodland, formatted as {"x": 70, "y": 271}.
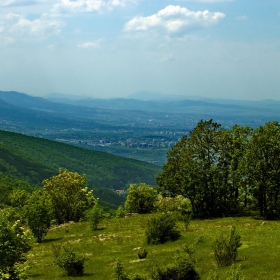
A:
{"x": 213, "y": 172}
{"x": 226, "y": 172}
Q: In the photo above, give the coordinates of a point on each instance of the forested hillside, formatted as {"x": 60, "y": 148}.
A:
{"x": 34, "y": 159}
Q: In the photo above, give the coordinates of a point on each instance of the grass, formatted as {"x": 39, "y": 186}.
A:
{"x": 118, "y": 239}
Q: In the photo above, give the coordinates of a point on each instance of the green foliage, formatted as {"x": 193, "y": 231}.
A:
{"x": 38, "y": 213}
{"x": 235, "y": 273}
{"x": 207, "y": 167}
{"x": 182, "y": 269}
{"x": 225, "y": 249}
{"x": 35, "y": 159}
{"x": 119, "y": 272}
{"x": 14, "y": 243}
{"x": 213, "y": 275}
{"x": 69, "y": 198}
{"x": 8, "y": 184}
{"x": 95, "y": 216}
{"x": 120, "y": 213}
{"x": 172, "y": 204}
{"x": 142, "y": 253}
{"x": 72, "y": 264}
{"x": 140, "y": 199}
{"x": 121, "y": 275}
{"x": 18, "y": 198}
{"x": 161, "y": 229}
{"x": 263, "y": 168}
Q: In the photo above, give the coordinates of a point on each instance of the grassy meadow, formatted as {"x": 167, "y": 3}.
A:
{"x": 119, "y": 238}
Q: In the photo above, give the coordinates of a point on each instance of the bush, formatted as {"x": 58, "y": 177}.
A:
{"x": 225, "y": 250}
{"x": 14, "y": 243}
{"x": 142, "y": 253}
{"x": 235, "y": 274}
{"x": 182, "y": 269}
{"x": 95, "y": 216}
{"x": 38, "y": 213}
{"x": 72, "y": 264}
{"x": 161, "y": 229}
{"x": 120, "y": 275}
{"x": 177, "y": 203}
{"x": 120, "y": 213}
{"x": 69, "y": 198}
{"x": 140, "y": 199}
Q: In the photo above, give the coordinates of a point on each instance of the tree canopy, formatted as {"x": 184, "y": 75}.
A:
{"x": 220, "y": 170}
{"x": 69, "y": 196}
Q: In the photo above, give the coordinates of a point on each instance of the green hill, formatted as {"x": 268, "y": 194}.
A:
{"x": 34, "y": 159}
{"x": 119, "y": 239}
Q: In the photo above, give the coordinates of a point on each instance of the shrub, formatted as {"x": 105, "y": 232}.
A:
{"x": 14, "y": 243}
{"x": 119, "y": 271}
{"x": 225, "y": 250}
{"x": 38, "y": 213}
{"x": 120, "y": 275}
{"x": 69, "y": 198}
{"x": 161, "y": 229}
{"x": 142, "y": 253}
{"x": 182, "y": 269}
{"x": 140, "y": 199}
{"x": 235, "y": 274}
{"x": 120, "y": 213}
{"x": 179, "y": 204}
{"x": 72, "y": 264}
{"x": 95, "y": 216}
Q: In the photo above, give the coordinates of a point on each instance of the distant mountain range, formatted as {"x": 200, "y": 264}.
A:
{"x": 22, "y": 108}
{"x": 193, "y": 105}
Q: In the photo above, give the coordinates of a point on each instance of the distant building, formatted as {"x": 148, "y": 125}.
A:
{"x": 120, "y": 192}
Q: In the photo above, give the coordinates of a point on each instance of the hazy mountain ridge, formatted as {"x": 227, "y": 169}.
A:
{"x": 157, "y": 102}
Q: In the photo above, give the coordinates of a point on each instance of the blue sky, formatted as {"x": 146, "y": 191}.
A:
{"x": 113, "y": 48}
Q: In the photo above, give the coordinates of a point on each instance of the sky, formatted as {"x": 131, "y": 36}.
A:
{"x": 114, "y": 48}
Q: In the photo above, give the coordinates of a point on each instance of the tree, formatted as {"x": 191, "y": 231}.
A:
{"x": 18, "y": 198}
{"x": 195, "y": 172}
{"x": 140, "y": 198}
{"x": 232, "y": 148}
{"x": 13, "y": 245}
{"x": 70, "y": 199}
{"x": 263, "y": 168}
{"x": 204, "y": 167}
{"x": 38, "y": 212}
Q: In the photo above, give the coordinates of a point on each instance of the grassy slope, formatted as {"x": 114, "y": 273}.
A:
{"x": 35, "y": 159}
{"x": 258, "y": 256}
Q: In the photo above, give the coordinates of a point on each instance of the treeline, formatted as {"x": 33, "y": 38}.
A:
{"x": 226, "y": 171}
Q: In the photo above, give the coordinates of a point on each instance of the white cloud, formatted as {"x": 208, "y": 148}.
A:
{"x": 94, "y": 44}
{"x": 174, "y": 20}
{"x": 88, "y": 6}
{"x": 15, "y": 27}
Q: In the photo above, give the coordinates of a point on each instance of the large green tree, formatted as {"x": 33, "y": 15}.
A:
{"x": 204, "y": 167}
{"x": 263, "y": 168}
{"x": 69, "y": 196}
{"x": 231, "y": 177}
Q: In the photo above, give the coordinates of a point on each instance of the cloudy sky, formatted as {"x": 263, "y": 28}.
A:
{"x": 113, "y": 48}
